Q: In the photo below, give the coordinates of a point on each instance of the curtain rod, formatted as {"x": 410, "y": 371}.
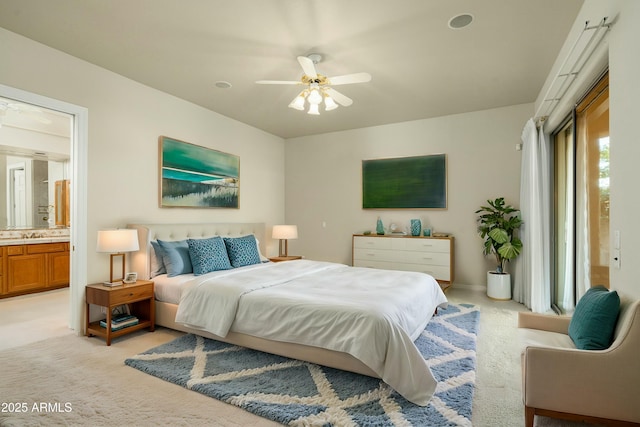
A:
{"x": 549, "y": 103}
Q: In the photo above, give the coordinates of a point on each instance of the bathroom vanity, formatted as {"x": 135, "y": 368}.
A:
{"x": 35, "y": 261}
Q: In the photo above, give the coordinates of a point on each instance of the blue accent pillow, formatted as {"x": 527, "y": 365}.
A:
{"x": 242, "y": 250}
{"x": 157, "y": 263}
{"x": 175, "y": 256}
{"x": 208, "y": 255}
{"x": 594, "y": 320}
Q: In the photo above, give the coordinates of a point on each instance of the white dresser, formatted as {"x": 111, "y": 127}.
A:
{"x": 431, "y": 255}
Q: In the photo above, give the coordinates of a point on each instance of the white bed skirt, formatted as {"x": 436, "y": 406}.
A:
{"x": 166, "y": 313}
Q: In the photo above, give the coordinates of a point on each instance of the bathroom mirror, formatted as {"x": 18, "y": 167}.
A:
{"x": 29, "y": 192}
{"x": 35, "y": 147}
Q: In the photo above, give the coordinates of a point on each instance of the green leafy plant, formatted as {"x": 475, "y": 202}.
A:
{"x": 497, "y": 225}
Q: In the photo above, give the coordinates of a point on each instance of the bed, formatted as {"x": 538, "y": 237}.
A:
{"x": 324, "y": 313}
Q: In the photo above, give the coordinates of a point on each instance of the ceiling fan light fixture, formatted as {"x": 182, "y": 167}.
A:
{"x": 318, "y": 88}
{"x": 329, "y": 103}
{"x": 314, "y": 96}
{"x": 298, "y": 102}
{"x": 313, "y": 110}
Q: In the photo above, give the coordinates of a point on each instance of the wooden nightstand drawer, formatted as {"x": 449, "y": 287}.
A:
{"x": 128, "y": 295}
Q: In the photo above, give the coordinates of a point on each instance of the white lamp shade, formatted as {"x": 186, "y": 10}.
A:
{"x": 115, "y": 241}
{"x": 285, "y": 232}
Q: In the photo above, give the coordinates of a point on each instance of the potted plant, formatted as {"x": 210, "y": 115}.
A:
{"x": 497, "y": 225}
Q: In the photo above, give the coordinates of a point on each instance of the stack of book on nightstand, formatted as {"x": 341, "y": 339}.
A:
{"x": 120, "y": 322}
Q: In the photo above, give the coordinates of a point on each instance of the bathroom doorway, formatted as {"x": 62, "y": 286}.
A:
{"x": 77, "y": 172}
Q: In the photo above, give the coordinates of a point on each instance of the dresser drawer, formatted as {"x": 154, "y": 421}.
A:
{"x": 373, "y": 254}
{"x": 128, "y": 295}
{"x": 438, "y": 272}
{"x": 422, "y": 245}
{"x": 372, "y": 242}
{"x": 372, "y": 263}
{"x": 424, "y": 258}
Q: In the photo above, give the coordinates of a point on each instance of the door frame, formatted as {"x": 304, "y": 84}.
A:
{"x": 79, "y": 168}
{"x": 11, "y": 188}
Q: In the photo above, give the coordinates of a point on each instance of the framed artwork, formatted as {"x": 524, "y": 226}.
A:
{"x": 405, "y": 183}
{"x": 197, "y": 177}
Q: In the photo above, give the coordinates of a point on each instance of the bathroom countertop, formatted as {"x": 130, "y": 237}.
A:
{"x": 33, "y": 240}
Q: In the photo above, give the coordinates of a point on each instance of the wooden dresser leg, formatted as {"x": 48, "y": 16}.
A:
{"x": 529, "y": 414}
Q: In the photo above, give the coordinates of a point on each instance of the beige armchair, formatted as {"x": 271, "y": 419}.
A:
{"x": 597, "y": 386}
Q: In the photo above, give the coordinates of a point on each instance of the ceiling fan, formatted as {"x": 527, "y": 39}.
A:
{"x": 318, "y": 87}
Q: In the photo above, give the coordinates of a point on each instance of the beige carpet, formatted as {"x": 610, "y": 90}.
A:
{"x": 101, "y": 391}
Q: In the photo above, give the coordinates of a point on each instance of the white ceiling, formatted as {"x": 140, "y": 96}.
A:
{"x": 420, "y": 67}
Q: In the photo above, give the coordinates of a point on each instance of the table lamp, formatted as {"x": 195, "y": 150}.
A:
{"x": 117, "y": 242}
{"x": 284, "y": 233}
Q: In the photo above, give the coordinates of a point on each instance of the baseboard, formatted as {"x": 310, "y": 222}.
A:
{"x": 478, "y": 288}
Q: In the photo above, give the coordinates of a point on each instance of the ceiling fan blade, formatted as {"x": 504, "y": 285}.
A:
{"x": 308, "y": 67}
{"x": 341, "y": 99}
{"x": 278, "y": 82}
{"x": 350, "y": 78}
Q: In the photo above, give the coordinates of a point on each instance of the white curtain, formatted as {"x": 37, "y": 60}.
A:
{"x": 583, "y": 259}
{"x": 566, "y": 293}
{"x": 532, "y": 284}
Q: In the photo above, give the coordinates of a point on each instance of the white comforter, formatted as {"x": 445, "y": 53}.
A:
{"x": 374, "y": 315}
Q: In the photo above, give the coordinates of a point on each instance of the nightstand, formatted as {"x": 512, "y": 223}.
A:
{"x": 284, "y": 258}
{"x": 140, "y": 298}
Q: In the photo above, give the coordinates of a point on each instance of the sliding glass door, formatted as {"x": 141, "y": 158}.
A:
{"x": 581, "y": 181}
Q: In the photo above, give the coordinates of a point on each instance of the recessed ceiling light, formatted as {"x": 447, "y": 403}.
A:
{"x": 223, "y": 85}
{"x": 460, "y": 21}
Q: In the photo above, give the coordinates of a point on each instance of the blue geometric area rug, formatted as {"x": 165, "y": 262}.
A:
{"x": 298, "y": 393}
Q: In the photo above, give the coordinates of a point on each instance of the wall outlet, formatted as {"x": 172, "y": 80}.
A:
{"x": 616, "y": 258}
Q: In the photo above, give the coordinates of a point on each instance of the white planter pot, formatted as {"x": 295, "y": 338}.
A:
{"x": 498, "y": 286}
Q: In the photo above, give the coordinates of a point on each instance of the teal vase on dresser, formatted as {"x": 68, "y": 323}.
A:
{"x": 379, "y": 227}
{"x": 416, "y": 227}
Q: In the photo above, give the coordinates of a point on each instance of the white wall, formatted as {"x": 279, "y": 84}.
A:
{"x": 324, "y": 181}
{"x": 620, "y": 51}
{"x": 624, "y": 104}
{"x": 125, "y": 121}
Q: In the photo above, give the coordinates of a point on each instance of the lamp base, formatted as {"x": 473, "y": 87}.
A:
{"x": 284, "y": 243}
{"x": 121, "y": 278}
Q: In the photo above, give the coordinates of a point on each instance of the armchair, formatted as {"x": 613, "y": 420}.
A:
{"x": 596, "y": 386}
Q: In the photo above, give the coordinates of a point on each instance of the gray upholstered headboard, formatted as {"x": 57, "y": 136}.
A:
{"x": 141, "y": 261}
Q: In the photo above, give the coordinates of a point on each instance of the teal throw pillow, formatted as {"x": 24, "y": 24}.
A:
{"x": 175, "y": 256}
{"x": 157, "y": 263}
{"x": 242, "y": 250}
{"x": 594, "y": 320}
{"x": 208, "y": 255}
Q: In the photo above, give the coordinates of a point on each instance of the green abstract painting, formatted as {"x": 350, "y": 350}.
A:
{"x": 194, "y": 176}
{"x": 405, "y": 183}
